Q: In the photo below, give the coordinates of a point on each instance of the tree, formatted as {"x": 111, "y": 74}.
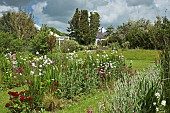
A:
{"x": 40, "y": 41}
{"x": 51, "y": 41}
{"x": 74, "y": 25}
{"x": 94, "y": 26}
{"x": 9, "y": 42}
{"x": 84, "y": 28}
{"x": 81, "y": 29}
{"x": 18, "y": 23}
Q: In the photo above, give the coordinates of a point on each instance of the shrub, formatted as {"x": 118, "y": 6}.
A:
{"x": 126, "y": 45}
{"x": 39, "y": 43}
{"x": 9, "y": 42}
{"x": 69, "y": 46}
{"x": 114, "y": 46}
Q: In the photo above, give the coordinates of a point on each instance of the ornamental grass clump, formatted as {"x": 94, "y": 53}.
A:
{"x": 135, "y": 94}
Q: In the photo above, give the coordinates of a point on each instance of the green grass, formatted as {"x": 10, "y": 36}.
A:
{"x": 140, "y": 58}
{"x": 91, "y": 102}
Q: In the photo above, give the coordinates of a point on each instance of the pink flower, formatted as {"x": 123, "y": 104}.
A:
{"x": 111, "y": 88}
{"x": 129, "y": 105}
{"x": 90, "y": 111}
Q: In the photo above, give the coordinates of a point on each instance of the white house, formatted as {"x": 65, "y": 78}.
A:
{"x": 58, "y": 38}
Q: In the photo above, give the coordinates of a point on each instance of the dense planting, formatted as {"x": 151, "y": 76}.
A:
{"x": 60, "y": 76}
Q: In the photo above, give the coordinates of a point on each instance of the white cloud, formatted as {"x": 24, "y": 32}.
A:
{"x": 57, "y": 13}
{"x": 4, "y": 8}
{"x": 45, "y": 18}
{"x": 113, "y": 11}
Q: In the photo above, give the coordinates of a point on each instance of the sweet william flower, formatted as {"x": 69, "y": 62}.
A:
{"x": 29, "y": 99}
{"x": 56, "y": 84}
{"x": 7, "y": 104}
{"x": 22, "y": 98}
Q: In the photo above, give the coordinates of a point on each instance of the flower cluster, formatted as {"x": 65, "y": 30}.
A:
{"x": 19, "y": 99}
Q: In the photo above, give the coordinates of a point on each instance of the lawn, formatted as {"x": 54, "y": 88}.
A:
{"x": 140, "y": 59}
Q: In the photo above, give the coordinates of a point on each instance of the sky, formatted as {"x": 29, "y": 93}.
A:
{"x": 57, "y": 13}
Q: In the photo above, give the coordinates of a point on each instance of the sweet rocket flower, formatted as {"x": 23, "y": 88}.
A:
{"x": 7, "y": 104}
{"x": 157, "y": 95}
{"x": 154, "y": 103}
{"x": 32, "y": 64}
{"x": 37, "y": 53}
{"x": 90, "y": 111}
{"x": 31, "y": 72}
{"x": 157, "y": 109}
{"x": 129, "y": 105}
{"x": 163, "y": 102}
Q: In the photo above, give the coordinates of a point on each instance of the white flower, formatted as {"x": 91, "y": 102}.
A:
{"x": 37, "y": 53}
{"x": 40, "y": 73}
{"x": 40, "y": 66}
{"x": 157, "y": 109}
{"x": 31, "y": 72}
{"x": 157, "y": 95}
{"x": 45, "y": 56}
{"x": 14, "y": 62}
{"x": 163, "y": 102}
{"x": 33, "y": 64}
{"x": 154, "y": 103}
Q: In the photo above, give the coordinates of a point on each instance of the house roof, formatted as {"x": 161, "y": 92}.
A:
{"x": 101, "y": 35}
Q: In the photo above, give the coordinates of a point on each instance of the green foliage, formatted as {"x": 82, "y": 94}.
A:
{"x": 134, "y": 93}
{"x": 10, "y": 43}
{"x": 114, "y": 46}
{"x": 51, "y": 41}
{"x": 81, "y": 29}
{"x": 94, "y": 25}
{"x": 18, "y": 23}
{"x": 163, "y": 26}
{"x": 126, "y": 45}
{"x": 39, "y": 43}
{"x": 69, "y": 46}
